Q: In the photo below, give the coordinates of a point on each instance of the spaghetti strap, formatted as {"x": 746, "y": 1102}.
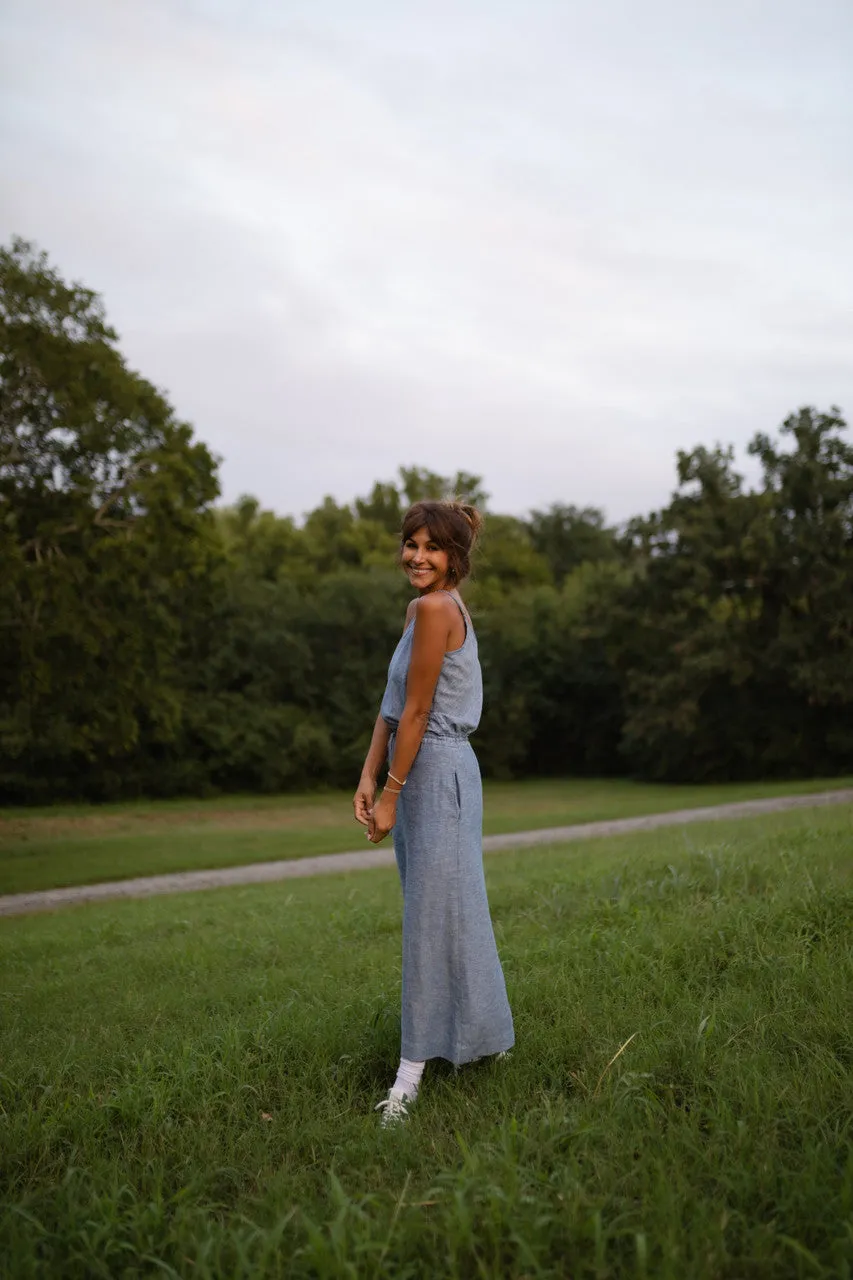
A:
{"x": 458, "y": 603}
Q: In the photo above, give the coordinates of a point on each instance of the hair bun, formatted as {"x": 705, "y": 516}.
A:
{"x": 472, "y": 515}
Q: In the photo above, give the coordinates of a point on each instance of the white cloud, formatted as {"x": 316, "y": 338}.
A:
{"x": 545, "y": 243}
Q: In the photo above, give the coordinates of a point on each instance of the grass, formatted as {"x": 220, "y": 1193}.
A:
{"x": 187, "y": 1083}
{"x": 76, "y": 844}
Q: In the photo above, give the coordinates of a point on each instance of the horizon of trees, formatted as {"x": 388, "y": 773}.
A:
{"x": 154, "y": 643}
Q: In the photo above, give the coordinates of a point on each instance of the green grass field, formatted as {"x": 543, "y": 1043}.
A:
{"x": 67, "y": 845}
{"x": 188, "y": 1083}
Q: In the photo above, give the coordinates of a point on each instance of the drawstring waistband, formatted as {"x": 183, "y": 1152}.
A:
{"x": 432, "y": 736}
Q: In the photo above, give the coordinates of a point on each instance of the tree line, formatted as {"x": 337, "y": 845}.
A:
{"x": 154, "y": 643}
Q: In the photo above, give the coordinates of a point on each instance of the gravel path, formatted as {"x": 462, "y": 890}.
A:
{"x": 383, "y": 856}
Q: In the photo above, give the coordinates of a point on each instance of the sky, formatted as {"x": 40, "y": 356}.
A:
{"x": 549, "y": 243}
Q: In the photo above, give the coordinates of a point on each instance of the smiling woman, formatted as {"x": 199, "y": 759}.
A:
{"x": 436, "y": 542}
{"x": 454, "y": 1002}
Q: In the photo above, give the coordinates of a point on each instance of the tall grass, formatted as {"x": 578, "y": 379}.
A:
{"x": 188, "y": 1083}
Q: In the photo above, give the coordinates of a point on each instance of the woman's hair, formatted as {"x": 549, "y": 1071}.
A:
{"x": 453, "y": 526}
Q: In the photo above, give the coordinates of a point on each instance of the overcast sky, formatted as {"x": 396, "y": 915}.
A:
{"x": 549, "y": 243}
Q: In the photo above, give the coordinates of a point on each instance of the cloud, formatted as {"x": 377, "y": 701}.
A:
{"x": 545, "y": 243}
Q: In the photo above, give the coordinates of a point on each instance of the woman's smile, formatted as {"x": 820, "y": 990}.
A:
{"x": 424, "y": 574}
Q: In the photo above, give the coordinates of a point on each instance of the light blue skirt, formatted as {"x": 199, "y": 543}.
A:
{"x": 454, "y": 997}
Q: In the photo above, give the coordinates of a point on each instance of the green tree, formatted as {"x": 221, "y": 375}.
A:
{"x": 505, "y": 561}
{"x": 806, "y": 583}
{"x": 248, "y": 722}
{"x": 568, "y": 536}
{"x": 384, "y": 507}
{"x": 738, "y": 658}
{"x": 336, "y": 538}
{"x": 149, "y": 644}
{"x": 261, "y": 544}
{"x": 103, "y": 525}
{"x": 418, "y": 483}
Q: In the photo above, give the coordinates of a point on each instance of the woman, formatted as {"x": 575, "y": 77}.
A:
{"x": 454, "y": 998}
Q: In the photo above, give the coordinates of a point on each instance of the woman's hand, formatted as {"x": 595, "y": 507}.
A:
{"x": 362, "y": 801}
{"x": 382, "y": 817}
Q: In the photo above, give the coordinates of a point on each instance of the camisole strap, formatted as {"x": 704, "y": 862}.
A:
{"x": 465, "y": 619}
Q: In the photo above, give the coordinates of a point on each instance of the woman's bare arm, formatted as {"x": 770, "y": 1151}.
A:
{"x": 429, "y": 645}
{"x": 373, "y": 762}
{"x": 433, "y": 622}
{"x": 377, "y": 752}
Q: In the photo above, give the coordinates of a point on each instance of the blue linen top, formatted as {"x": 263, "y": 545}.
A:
{"x": 458, "y": 700}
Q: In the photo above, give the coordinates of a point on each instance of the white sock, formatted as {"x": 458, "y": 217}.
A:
{"x": 409, "y": 1078}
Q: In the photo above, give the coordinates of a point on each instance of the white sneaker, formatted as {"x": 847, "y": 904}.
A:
{"x": 394, "y": 1108}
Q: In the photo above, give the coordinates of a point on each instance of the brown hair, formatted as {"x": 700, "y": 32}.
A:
{"x": 453, "y": 526}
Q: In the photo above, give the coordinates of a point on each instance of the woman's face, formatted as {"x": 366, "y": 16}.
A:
{"x": 424, "y": 562}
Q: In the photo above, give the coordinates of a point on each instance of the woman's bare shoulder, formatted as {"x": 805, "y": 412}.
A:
{"x": 435, "y": 613}
{"x": 436, "y": 604}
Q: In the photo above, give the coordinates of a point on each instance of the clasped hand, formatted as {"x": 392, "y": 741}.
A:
{"x": 379, "y": 815}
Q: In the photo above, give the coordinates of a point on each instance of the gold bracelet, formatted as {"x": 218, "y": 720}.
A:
{"x": 401, "y": 782}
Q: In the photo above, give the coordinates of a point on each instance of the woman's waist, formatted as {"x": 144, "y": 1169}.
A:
{"x": 435, "y": 734}
{"x": 438, "y": 732}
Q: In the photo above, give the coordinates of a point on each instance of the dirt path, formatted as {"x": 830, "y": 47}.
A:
{"x": 383, "y": 856}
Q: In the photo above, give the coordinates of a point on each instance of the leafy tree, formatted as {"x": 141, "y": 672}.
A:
{"x": 261, "y": 544}
{"x": 149, "y": 644}
{"x": 336, "y": 539}
{"x": 103, "y": 500}
{"x": 506, "y": 560}
{"x": 417, "y": 483}
{"x": 568, "y": 536}
{"x": 248, "y": 722}
{"x": 384, "y": 507}
{"x": 739, "y": 661}
{"x": 806, "y": 587}
{"x": 579, "y": 709}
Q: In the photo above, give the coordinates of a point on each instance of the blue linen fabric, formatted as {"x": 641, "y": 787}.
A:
{"x": 454, "y": 1002}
